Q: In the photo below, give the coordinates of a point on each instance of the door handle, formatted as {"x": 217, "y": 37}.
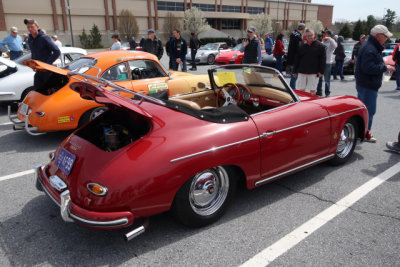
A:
{"x": 268, "y": 134}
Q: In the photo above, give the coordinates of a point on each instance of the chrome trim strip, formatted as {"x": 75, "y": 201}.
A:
{"x": 263, "y": 135}
{"x": 215, "y": 149}
{"x": 293, "y": 170}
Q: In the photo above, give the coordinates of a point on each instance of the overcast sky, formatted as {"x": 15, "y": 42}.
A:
{"x": 353, "y": 10}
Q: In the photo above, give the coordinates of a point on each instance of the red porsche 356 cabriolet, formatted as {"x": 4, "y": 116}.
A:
{"x": 186, "y": 153}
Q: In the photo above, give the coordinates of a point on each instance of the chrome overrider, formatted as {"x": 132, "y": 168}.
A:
{"x": 68, "y": 216}
{"x": 20, "y": 125}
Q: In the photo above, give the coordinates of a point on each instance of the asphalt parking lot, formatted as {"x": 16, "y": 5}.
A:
{"x": 323, "y": 216}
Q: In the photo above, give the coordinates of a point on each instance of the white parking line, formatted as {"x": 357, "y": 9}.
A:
{"x": 6, "y": 123}
{"x": 287, "y": 242}
{"x": 15, "y": 175}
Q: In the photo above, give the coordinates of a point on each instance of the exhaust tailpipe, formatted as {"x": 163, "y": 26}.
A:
{"x": 18, "y": 127}
{"x": 136, "y": 232}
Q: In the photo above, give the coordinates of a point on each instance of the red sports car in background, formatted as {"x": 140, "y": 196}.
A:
{"x": 233, "y": 56}
{"x": 187, "y": 153}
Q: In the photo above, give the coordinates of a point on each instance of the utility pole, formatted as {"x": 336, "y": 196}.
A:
{"x": 70, "y": 22}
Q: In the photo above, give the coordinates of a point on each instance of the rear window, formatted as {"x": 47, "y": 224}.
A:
{"x": 77, "y": 64}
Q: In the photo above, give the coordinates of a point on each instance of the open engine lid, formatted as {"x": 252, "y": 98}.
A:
{"x": 41, "y": 66}
{"x": 98, "y": 93}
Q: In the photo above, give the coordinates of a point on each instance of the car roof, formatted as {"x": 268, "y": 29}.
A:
{"x": 110, "y": 57}
{"x": 68, "y": 49}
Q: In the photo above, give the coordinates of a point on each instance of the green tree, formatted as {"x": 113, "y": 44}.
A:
{"x": 371, "y": 22}
{"x": 389, "y": 18}
{"x": 128, "y": 26}
{"x": 315, "y": 25}
{"x": 95, "y": 37}
{"x": 359, "y": 28}
{"x": 345, "y": 31}
{"x": 194, "y": 20}
{"x": 84, "y": 39}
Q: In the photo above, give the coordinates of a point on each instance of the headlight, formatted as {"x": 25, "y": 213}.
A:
{"x": 97, "y": 189}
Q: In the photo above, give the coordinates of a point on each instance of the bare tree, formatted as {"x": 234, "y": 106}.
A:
{"x": 128, "y": 26}
{"x": 195, "y": 21}
{"x": 263, "y": 24}
{"x": 170, "y": 23}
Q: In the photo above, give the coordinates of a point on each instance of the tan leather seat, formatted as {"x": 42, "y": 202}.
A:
{"x": 187, "y": 103}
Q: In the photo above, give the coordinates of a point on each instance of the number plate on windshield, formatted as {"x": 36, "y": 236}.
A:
{"x": 65, "y": 161}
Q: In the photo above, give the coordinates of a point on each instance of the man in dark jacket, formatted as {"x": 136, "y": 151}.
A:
{"x": 178, "y": 50}
{"x": 309, "y": 63}
{"x": 194, "y": 44}
{"x": 369, "y": 70}
{"x": 356, "y": 47}
{"x": 42, "y": 49}
{"x": 152, "y": 45}
{"x": 294, "y": 43}
{"x": 251, "y": 48}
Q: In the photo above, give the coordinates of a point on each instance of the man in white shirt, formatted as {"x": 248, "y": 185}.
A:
{"x": 56, "y": 41}
{"x": 330, "y": 46}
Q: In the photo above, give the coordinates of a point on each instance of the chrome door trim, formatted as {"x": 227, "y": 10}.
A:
{"x": 293, "y": 170}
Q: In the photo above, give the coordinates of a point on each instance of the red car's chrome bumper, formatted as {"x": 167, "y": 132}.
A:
{"x": 73, "y": 213}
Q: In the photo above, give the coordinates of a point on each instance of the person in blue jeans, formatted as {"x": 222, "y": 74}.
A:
{"x": 330, "y": 46}
{"x": 369, "y": 70}
{"x": 339, "y": 59}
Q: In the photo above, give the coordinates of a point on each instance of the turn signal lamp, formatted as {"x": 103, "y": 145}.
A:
{"x": 40, "y": 113}
{"x": 97, "y": 189}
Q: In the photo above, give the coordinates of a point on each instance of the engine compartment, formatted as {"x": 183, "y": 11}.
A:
{"x": 53, "y": 83}
{"x": 114, "y": 129}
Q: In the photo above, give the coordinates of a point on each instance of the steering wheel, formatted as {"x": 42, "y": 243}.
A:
{"x": 225, "y": 96}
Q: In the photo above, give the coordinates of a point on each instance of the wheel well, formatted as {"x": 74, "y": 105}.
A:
{"x": 360, "y": 126}
{"x": 239, "y": 174}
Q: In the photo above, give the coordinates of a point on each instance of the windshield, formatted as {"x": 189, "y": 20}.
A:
{"x": 348, "y": 47}
{"x": 6, "y": 70}
{"x": 390, "y": 46}
{"x": 79, "y": 63}
{"x": 210, "y": 46}
{"x": 249, "y": 76}
{"x": 237, "y": 48}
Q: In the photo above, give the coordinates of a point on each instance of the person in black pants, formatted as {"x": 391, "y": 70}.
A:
{"x": 194, "y": 44}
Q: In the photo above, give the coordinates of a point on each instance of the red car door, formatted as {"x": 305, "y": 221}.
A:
{"x": 291, "y": 137}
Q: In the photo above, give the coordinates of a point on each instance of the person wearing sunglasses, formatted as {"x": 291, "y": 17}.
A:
{"x": 251, "y": 47}
{"x": 309, "y": 64}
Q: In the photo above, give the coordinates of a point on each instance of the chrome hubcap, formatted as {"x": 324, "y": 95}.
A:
{"x": 346, "y": 141}
{"x": 208, "y": 191}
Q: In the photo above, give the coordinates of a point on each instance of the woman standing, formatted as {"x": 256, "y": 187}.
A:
{"x": 117, "y": 42}
{"x": 339, "y": 58}
{"x": 279, "y": 51}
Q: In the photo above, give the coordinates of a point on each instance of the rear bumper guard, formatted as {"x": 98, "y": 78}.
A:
{"x": 21, "y": 125}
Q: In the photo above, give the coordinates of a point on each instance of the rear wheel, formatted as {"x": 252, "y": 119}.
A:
{"x": 204, "y": 198}
{"x": 211, "y": 59}
{"x": 347, "y": 142}
{"x": 90, "y": 115}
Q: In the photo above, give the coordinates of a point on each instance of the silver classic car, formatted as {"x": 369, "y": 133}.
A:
{"x": 207, "y": 53}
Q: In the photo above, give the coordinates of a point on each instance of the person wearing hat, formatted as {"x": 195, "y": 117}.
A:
{"x": 330, "y": 46}
{"x": 153, "y": 45}
{"x": 56, "y": 41}
{"x": 251, "y": 47}
{"x": 42, "y": 49}
{"x": 357, "y": 47}
{"x": 295, "y": 40}
{"x": 369, "y": 70}
{"x": 14, "y": 44}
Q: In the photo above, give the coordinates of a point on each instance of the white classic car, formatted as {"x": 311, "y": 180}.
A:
{"x": 207, "y": 53}
{"x": 16, "y": 79}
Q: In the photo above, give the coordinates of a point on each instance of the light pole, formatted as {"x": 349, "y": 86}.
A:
{"x": 277, "y": 21}
{"x": 70, "y": 22}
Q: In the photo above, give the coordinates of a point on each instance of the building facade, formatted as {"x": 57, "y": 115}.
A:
{"x": 229, "y": 16}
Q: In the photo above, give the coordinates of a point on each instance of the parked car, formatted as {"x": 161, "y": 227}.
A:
{"x": 232, "y": 56}
{"x": 389, "y": 47}
{"x": 207, "y": 53}
{"x": 188, "y": 153}
{"x": 54, "y": 107}
{"x": 16, "y": 84}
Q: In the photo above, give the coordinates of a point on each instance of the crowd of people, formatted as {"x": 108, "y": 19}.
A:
{"x": 309, "y": 58}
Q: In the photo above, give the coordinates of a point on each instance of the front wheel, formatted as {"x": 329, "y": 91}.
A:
{"x": 204, "y": 198}
{"x": 211, "y": 59}
{"x": 347, "y": 142}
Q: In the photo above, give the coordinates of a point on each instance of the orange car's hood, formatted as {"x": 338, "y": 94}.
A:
{"x": 41, "y": 66}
